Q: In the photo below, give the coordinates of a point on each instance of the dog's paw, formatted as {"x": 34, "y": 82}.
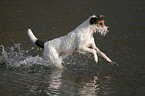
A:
{"x": 109, "y": 60}
{"x": 96, "y": 60}
{"x": 113, "y": 63}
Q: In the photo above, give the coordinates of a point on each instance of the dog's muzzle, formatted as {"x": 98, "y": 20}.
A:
{"x": 102, "y": 30}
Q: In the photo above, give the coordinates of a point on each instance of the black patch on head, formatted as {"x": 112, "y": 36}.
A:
{"x": 94, "y": 20}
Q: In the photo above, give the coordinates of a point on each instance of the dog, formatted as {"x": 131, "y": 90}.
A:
{"x": 80, "y": 40}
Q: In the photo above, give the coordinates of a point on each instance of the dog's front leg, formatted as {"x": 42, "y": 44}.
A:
{"x": 101, "y": 53}
{"x": 85, "y": 49}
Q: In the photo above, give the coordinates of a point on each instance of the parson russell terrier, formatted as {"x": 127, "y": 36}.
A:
{"x": 79, "y": 40}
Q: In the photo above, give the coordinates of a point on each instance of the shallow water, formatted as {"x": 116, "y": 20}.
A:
{"x": 23, "y": 72}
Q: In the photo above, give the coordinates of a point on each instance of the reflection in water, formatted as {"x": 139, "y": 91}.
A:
{"x": 96, "y": 87}
{"x": 55, "y": 82}
{"x": 51, "y": 85}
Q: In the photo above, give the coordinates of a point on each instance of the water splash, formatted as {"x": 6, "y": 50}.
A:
{"x": 18, "y": 58}
{"x": 4, "y": 56}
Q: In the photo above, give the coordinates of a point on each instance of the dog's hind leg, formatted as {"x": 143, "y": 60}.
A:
{"x": 52, "y": 56}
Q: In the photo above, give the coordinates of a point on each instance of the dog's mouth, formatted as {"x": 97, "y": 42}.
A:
{"x": 103, "y": 31}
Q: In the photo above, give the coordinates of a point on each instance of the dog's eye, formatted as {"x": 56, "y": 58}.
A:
{"x": 101, "y": 23}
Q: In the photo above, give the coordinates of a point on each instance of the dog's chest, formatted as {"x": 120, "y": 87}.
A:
{"x": 85, "y": 38}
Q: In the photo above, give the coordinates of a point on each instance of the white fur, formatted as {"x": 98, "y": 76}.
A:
{"x": 78, "y": 40}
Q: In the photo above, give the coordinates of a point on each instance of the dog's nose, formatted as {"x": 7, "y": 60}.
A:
{"x": 107, "y": 28}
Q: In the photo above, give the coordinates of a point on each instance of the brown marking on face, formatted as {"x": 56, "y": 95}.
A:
{"x": 100, "y": 23}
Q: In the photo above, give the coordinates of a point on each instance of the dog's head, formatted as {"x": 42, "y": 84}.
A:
{"x": 98, "y": 24}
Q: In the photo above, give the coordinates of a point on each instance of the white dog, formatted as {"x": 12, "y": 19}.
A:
{"x": 79, "y": 40}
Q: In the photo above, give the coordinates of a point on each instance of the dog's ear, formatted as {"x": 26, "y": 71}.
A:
{"x": 101, "y": 17}
{"x": 93, "y": 20}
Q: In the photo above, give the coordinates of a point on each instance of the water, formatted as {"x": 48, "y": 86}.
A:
{"x": 23, "y": 72}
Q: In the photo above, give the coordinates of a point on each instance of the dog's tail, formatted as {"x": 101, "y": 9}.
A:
{"x": 34, "y": 39}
